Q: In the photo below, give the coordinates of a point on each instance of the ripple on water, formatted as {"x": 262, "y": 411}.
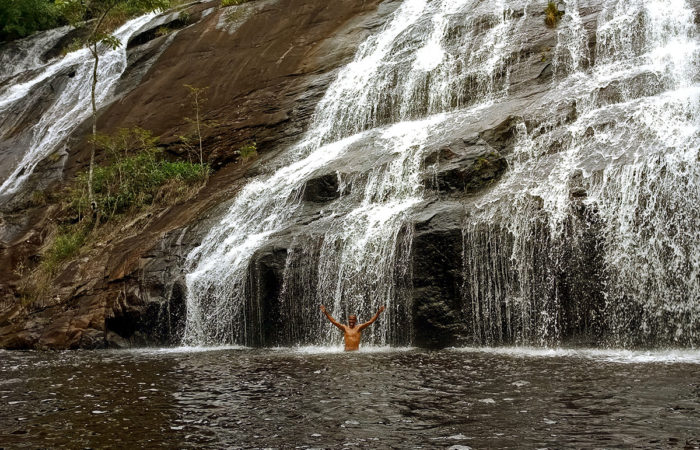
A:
{"x": 322, "y": 397}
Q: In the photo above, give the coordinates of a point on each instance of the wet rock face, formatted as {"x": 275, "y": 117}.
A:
{"x": 265, "y": 75}
{"x": 463, "y": 167}
{"x": 266, "y": 276}
{"x": 437, "y": 276}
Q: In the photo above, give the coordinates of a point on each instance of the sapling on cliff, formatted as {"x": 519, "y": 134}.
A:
{"x": 198, "y": 98}
{"x": 100, "y": 16}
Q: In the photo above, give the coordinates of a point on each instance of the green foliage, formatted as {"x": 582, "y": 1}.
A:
{"x": 481, "y": 163}
{"x": 552, "y": 15}
{"x": 249, "y": 151}
{"x": 135, "y": 176}
{"x": 225, "y": 3}
{"x": 74, "y": 45}
{"x": 20, "y": 18}
{"x": 79, "y": 11}
{"x": 64, "y": 247}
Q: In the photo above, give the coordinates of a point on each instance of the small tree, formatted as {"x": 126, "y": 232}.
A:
{"x": 198, "y": 98}
{"x": 96, "y": 14}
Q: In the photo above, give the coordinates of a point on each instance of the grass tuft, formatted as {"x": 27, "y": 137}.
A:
{"x": 65, "y": 246}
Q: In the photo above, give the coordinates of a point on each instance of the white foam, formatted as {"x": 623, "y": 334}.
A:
{"x": 331, "y": 349}
{"x": 186, "y": 349}
{"x": 612, "y": 355}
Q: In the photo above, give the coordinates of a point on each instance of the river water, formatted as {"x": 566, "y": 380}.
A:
{"x": 320, "y": 397}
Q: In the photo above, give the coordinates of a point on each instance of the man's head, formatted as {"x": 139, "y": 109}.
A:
{"x": 352, "y": 320}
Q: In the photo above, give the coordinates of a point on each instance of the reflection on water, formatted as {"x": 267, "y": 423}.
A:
{"x": 322, "y": 397}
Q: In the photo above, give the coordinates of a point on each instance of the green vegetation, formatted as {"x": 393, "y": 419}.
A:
{"x": 20, "y": 18}
{"x": 225, "y": 3}
{"x": 65, "y": 246}
{"x": 134, "y": 180}
{"x": 136, "y": 176}
{"x": 74, "y": 45}
{"x": 545, "y": 54}
{"x": 552, "y": 15}
{"x": 248, "y": 151}
{"x": 164, "y": 30}
{"x": 38, "y": 198}
{"x": 481, "y": 163}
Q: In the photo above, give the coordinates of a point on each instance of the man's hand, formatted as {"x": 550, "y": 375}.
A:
{"x": 323, "y": 308}
{"x": 381, "y": 309}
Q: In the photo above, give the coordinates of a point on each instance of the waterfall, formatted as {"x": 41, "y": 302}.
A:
{"x": 600, "y": 238}
{"x": 592, "y": 231}
{"x": 70, "y": 107}
{"x": 356, "y": 256}
{"x": 28, "y": 54}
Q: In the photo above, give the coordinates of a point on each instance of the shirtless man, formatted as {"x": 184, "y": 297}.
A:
{"x": 352, "y": 333}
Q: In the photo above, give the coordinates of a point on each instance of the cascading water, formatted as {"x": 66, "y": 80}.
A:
{"x": 592, "y": 231}
{"x": 357, "y": 254}
{"x": 28, "y": 53}
{"x": 69, "y": 109}
{"x": 601, "y": 237}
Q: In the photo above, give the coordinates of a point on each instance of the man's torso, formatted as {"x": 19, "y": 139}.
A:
{"x": 352, "y": 338}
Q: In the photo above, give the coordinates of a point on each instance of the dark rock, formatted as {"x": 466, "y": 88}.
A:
{"x": 546, "y": 73}
{"x": 265, "y": 280}
{"x": 578, "y": 192}
{"x": 322, "y": 189}
{"x": 463, "y": 168}
{"x": 437, "y": 275}
{"x": 502, "y": 137}
{"x": 443, "y": 154}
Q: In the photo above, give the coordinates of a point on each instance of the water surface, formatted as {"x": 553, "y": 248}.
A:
{"x": 323, "y": 398}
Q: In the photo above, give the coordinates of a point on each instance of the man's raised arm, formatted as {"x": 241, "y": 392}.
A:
{"x": 333, "y": 321}
{"x": 371, "y": 321}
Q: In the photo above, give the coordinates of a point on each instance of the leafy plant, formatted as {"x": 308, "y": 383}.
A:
{"x": 38, "y": 198}
{"x": 248, "y": 151}
{"x": 552, "y": 15}
{"x": 198, "y": 98}
{"x": 164, "y": 30}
